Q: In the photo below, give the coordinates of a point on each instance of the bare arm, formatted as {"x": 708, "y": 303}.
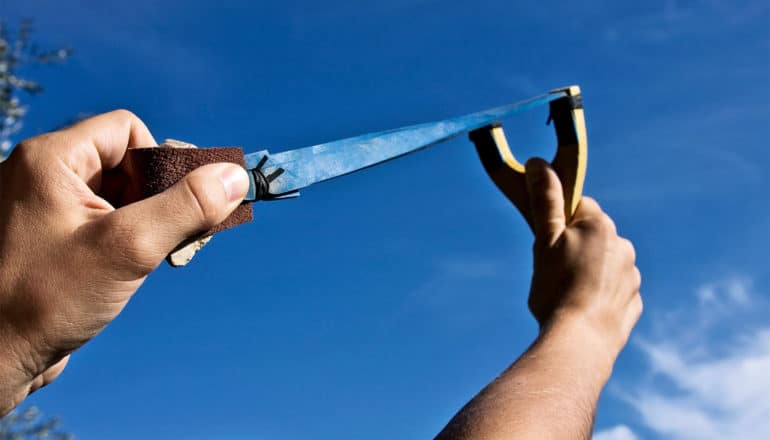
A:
{"x": 585, "y": 296}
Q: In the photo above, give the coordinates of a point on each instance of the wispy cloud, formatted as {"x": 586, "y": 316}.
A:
{"x": 521, "y": 84}
{"x": 450, "y": 277}
{"x": 620, "y": 432}
{"x": 730, "y": 292}
{"x": 715, "y": 167}
{"x": 710, "y": 397}
{"x": 675, "y": 18}
{"x": 464, "y": 289}
{"x": 714, "y": 386}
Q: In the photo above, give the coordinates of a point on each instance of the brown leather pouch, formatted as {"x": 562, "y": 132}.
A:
{"x": 153, "y": 170}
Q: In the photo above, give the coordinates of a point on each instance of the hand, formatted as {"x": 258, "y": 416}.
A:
{"x": 583, "y": 271}
{"x": 70, "y": 261}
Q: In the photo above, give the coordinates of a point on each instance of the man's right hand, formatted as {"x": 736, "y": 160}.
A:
{"x": 583, "y": 271}
{"x": 585, "y": 295}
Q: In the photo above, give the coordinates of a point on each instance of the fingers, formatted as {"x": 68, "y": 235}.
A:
{"x": 143, "y": 233}
{"x": 111, "y": 133}
{"x": 546, "y": 200}
{"x": 100, "y": 142}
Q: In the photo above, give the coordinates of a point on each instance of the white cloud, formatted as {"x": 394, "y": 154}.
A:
{"x": 712, "y": 389}
{"x": 620, "y": 432}
{"x": 732, "y": 291}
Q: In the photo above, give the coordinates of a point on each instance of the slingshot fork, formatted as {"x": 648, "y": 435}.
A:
{"x": 570, "y": 160}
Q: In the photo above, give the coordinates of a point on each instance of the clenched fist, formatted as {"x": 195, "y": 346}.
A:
{"x": 582, "y": 269}
{"x": 585, "y": 295}
{"x": 69, "y": 260}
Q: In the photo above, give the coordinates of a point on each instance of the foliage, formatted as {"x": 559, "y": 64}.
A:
{"x": 15, "y": 53}
{"x": 29, "y": 425}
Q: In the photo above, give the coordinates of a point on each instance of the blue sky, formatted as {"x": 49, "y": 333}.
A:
{"x": 374, "y": 306}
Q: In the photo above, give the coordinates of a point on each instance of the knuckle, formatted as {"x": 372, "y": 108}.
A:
{"x": 126, "y": 118}
{"x": 27, "y": 164}
{"x": 24, "y": 153}
{"x": 600, "y": 227}
{"x": 128, "y": 244}
{"x": 590, "y": 202}
{"x": 607, "y": 225}
{"x": 134, "y": 245}
{"x": 36, "y": 151}
{"x": 124, "y": 114}
{"x": 589, "y": 206}
{"x": 628, "y": 250}
{"x": 637, "y": 278}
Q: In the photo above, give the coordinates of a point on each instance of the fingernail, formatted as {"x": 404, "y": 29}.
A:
{"x": 236, "y": 182}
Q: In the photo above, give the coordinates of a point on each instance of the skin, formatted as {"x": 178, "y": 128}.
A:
{"x": 585, "y": 296}
{"x": 72, "y": 253}
{"x": 69, "y": 260}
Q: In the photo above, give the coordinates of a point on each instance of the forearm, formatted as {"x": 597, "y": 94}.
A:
{"x": 550, "y": 392}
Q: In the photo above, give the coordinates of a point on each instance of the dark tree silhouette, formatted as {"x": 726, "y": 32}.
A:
{"x": 30, "y": 425}
{"x": 16, "y": 52}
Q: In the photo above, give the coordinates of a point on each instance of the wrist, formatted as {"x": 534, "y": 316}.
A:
{"x": 575, "y": 331}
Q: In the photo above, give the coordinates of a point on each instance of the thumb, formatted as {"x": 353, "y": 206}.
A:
{"x": 144, "y": 232}
{"x": 546, "y": 200}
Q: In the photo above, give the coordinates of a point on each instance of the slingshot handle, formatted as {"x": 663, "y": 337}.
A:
{"x": 569, "y": 163}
